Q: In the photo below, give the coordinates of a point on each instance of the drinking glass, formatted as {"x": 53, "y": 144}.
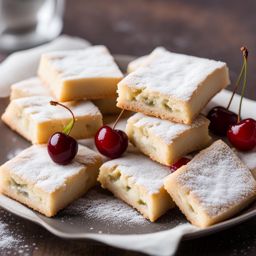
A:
{"x": 26, "y": 23}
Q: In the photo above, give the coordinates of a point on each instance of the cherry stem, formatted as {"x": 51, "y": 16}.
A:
{"x": 237, "y": 85}
{"x": 118, "y": 118}
{"x": 245, "y": 56}
{"x": 55, "y": 103}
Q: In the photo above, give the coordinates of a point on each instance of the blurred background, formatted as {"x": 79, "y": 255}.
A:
{"x": 214, "y": 29}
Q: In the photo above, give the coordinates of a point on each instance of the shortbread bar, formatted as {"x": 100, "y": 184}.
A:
{"x": 213, "y": 186}
{"x": 172, "y": 86}
{"x": 36, "y": 120}
{"x": 249, "y": 159}
{"x": 138, "y": 181}
{"x": 35, "y": 87}
{"x": 29, "y": 87}
{"x": 33, "y": 179}
{"x": 90, "y": 73}
{"x": 165, "y": 141}
{"x": 107, "y": 106}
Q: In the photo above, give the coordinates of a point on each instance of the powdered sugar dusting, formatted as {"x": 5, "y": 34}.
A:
{"x": 35, "y": 166}
{"x": 137, "y": 63}
{"x": 6, "y": 239}
{"x": 143, "y": 171}
{"x": 39, "y": 108}
{"x": 172, "y": 74}
{"x": 141, "y": 61}
{"x": 12, "y": 237}
{"x": 13, "y": 153}
{"x": 165, "y": 130}
{"x": 30, "y": 87}
{"x": 97, "y": 205}
{"x": 218, "y": 179}
{"x": 94, "y": 61}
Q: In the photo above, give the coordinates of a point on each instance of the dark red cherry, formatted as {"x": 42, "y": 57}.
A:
{"x": 125, "y": 139}
{"x": 220, "y": 120}
{"x": 62, "y": 148}
{"x": 243, "y": 134}
{"x": 111, "y": 142}
{"x": 179, "y": 163}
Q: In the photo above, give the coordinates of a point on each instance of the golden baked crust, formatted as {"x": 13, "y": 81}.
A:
{"x": 81, "y": 74}
{"x": 36, "y": 120}
{"x": 212, "y": 187}
{"x": 34, "y": 180}
{"x": 164, "y": 141}
{"x": 172, "y": 86}
{"x": 138, "y": 181}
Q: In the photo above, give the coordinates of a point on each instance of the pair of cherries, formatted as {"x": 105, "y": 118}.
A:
{"x": 242, "y": 135}
{"x": 62, "y": 148}
{"x": 110, "y": 142}
{"x": 223, "y": 122}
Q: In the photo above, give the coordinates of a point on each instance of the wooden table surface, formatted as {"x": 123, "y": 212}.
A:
{"x": 214, "y": 29}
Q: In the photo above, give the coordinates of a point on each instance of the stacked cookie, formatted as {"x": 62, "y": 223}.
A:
{"x": 169, "y": 91}
{"x": 81, "y": 80}
{"x": 74, "y": 77}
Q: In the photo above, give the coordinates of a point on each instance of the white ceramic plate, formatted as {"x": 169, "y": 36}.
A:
{"x": 68, "y": 225}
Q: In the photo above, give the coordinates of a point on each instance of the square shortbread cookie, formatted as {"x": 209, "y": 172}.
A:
{"x": 213, "y": 186}
{"x": 36, "y": 120}
{"x": 29, "y": 87}
{"x": 33, "y": 179}
{"x": 165, "y": 141}
{"x": 139, "y": 182}
{"x": 172, "y": 86}
{"x": 81, "y": 74}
